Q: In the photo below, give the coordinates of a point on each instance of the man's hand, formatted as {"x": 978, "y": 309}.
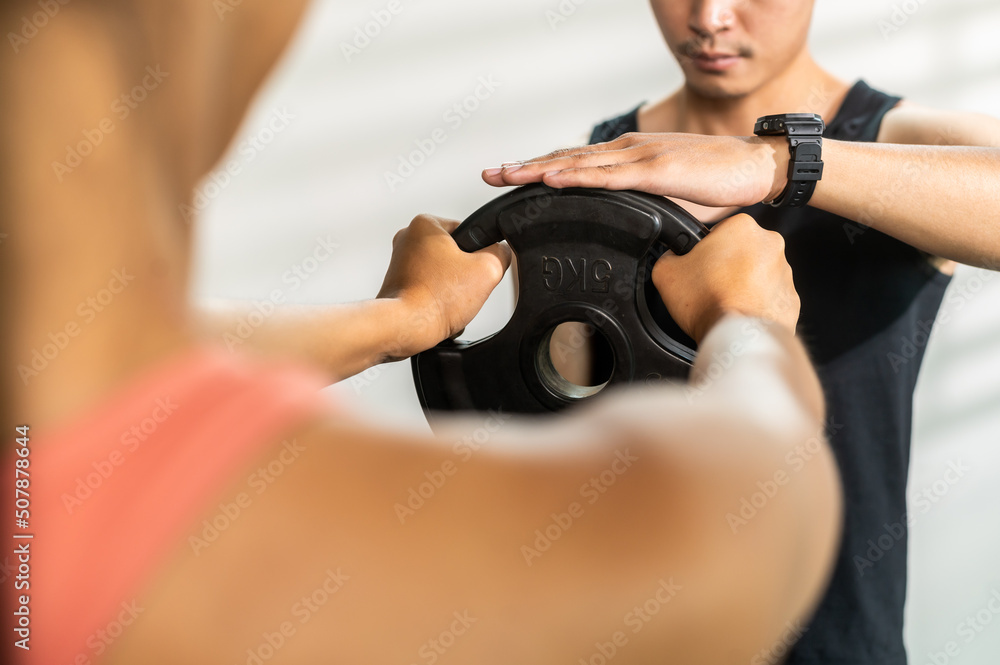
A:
{"x": 440, "y": 287}
{"x": 738, "y": 268}
{"x": 717, "y": 171}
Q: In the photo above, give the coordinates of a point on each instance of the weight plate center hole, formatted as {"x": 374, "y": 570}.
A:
{"x": 575, "y": 360}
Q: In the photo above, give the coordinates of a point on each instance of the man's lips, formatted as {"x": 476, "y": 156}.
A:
{"x": 715, "y": 62}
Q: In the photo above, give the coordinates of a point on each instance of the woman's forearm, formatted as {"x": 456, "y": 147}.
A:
{"x": 339, "y": 340}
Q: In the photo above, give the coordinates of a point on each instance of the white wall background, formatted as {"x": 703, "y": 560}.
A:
{"x": 323, "y": 176}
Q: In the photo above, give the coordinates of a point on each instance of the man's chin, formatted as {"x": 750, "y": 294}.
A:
{"x": 719, "y": 87}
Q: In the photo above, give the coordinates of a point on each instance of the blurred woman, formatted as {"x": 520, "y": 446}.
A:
{"x": 180, "y": 503}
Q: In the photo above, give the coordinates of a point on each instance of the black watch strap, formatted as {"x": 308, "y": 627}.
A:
{"x": 805, "y": 145}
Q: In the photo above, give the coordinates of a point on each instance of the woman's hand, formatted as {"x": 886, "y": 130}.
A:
{"x": 716, "y": 171}
{"x": 738, "y": 268}
{"x": 440, "y": 287}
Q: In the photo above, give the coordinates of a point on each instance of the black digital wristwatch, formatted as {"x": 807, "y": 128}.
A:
{"x": 805, "y": 144}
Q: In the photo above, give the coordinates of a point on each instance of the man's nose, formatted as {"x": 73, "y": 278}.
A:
{"x": 710, "y": 17}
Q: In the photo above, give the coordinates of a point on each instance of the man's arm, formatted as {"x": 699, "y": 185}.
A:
{"x": 941, "y": 200}
{"x": 914, "y": 124}
{"x": 432, "y": 290}
{"x": 937, "y": 198}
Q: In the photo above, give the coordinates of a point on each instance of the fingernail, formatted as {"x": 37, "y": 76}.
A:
{"x": 551, "y": 173}
{"x": 492, "y": 172}
{"x": 512, "y": 167}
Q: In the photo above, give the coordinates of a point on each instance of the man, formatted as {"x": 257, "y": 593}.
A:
{"x": 871, "y": 256}
{"x": 194, "y": 506}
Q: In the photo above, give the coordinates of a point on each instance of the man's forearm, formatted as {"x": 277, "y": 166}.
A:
{"x": 939, "y": 199}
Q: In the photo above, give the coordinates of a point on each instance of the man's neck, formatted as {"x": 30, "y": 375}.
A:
{"x": 804, "y": 87}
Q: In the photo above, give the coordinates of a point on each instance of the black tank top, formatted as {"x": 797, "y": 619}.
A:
{"x": 868, "y": 304}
